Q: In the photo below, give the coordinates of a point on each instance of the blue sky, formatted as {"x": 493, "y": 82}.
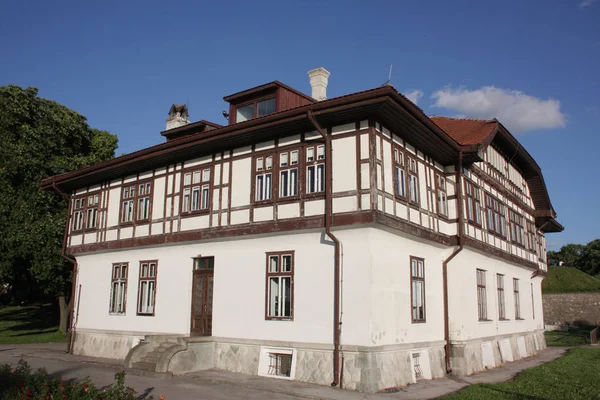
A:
{"x": 535, "y": 64}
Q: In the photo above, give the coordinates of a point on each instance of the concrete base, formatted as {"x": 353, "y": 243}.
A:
{"x": 476, "y": 355}
{"x": 105, "y": 344}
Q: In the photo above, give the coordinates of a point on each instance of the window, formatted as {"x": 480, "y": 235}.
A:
{"x": 496, "y": 220}
{"x": 264, "y": 178}
{"x": 531, "y": 238}
{"x": 532, "y": 302}
{"x": 517, "y": 228}
{"x": 517, "y": 300}
{"x": 501, "y": 304}
{"x": 196, "y": 191}
{"x": 315, "y": 169}
{"x": 147, "y": 287}
{"x": 481, "y": 296}
{"x": 413, "y": 180}
{"x": 280, "y": 364}
{"x": 85, "y": 212}
{"x": 417, "y": 289}
{"x": 118, "y": 289}
{"x": 136, "y": 201}
{"x": 400, "y": 173}
{"x": 442, "y": 195}
{"x": 288, "y": 173}
{"x": 280, "y": 274}
{"x": 257, "y": 109}
{"x": 473, "y": 203}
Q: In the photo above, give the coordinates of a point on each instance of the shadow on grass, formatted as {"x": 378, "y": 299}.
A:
{"x": 41, "y": 318}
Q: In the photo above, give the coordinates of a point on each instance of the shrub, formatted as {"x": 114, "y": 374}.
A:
{"x": 23, "y": 384}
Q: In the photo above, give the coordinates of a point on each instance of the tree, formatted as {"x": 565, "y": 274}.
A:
{"x": 589, "y": 260}
{"x": 39, "y": 138}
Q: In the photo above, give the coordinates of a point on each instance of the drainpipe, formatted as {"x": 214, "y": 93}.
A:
{"x": 337, "y": 378}
{"x": 459, "y": 212}
{"x": 71, "y": 260}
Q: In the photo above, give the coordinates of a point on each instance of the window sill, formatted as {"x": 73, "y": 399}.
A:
{"x": 475, "y": 224}
{"x": 186, "y": 214}
{"x": 145, "y": 314}
{"x": 117, "y": 314}
{"x": 420, "y": 321}
{"x": 279, "y": 319}
{"x": 83, "y": 231}
{"x": 504, "y": 320}
{"x": 485, "y": 320}
{"x": 519, "y": 319}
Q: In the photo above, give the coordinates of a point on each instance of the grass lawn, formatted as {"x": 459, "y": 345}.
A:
{"x": 568, "y": 280}
{"x": 574, "y": 376}
{"x": 573, "y": 337}
{"x": 29, "y": 325}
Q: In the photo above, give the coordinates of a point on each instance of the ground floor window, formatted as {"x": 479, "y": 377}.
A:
{"x": 481, "y": 296}
{"x": 118, "y": 289}
{"x": 280, "y": 283}
{"x": 147, "y": 287}
{"x": 417, "y": 290}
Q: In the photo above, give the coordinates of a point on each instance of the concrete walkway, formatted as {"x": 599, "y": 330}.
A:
{"x": 213, "y": 384}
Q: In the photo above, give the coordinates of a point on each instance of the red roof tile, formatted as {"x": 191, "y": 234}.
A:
{"x": 466, "y": 131}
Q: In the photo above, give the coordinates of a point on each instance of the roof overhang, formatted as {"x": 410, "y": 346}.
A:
{"x": 384, "y": 105}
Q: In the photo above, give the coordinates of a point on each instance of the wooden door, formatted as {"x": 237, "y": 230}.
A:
{"x": 202, "y": 296}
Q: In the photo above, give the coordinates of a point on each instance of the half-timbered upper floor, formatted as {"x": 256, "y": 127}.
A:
{"x": 444, "y": 180}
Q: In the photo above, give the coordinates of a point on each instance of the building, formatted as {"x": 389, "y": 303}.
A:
{"x": 322, "y": 240}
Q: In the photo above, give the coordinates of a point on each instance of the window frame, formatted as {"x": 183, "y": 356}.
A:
{"x": 135, "y": 199}
{"x": 482, "y": 313}
{"x": 498, "y": 211}
{"x": 517, "y": 299}
{"x": 415, "y": 318}
{"x": 84, "y": 209}
{"x": 399, "y": 174}
{"x": 413, "y": 180}
{"x": 254, "y": 103}
{"x": 120, "y": 279}
{"x": 147, "y": 279}
{"x": 516, "y": 222}
{"x": 532, "y": 237}
{"x": 473, "y": 203}
{"x": 315, "y": 163}
{"x": 279, "y": 274}
{"x": 501, "y": 297}
{"x": 200, "y": 185}
{"x": 441, "y": 192}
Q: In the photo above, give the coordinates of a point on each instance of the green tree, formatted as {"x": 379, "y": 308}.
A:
{"x": 589, "y": 259}
{"x": 39, "y": 138}
{"x": 570, "y": 253}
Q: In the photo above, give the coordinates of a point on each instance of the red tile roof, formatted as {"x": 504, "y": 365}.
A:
{"x": 466, "y": 131}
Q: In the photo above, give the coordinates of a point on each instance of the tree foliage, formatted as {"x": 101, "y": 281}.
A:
{"x": 583, "y": 257}
{"x": 39, "y": 138}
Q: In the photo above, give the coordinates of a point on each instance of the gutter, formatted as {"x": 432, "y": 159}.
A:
{"x": 337, "y": 377}
{"x": 63, "y": 253}
{"x": 459, "y": 212}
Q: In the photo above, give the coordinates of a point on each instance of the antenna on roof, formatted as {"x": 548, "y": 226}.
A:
{"x": 388, "y": 82}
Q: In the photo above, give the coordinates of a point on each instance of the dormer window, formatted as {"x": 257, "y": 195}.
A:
{"x": 255, "y": 110}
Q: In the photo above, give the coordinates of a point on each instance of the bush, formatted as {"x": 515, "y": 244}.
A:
{"x": 23, "y": 384}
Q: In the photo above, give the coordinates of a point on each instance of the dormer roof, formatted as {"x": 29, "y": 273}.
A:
{"x": 263, "y": 90}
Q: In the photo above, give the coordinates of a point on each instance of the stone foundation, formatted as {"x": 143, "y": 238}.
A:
{"x": 477, "y": 355}
{"x": 105, "y": 344}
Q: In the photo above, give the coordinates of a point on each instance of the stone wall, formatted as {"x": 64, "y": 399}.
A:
{"x": 571, "y": 308}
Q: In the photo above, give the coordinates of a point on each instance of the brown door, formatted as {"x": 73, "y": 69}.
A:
{"x": 202, "y": 296}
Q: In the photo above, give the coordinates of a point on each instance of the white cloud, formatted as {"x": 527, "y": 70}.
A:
{"x": 516, "y": 110}
{"x": 586, "y": 3}
{"x": 414, "y": 95}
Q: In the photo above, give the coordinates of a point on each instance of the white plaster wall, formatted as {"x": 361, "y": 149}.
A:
{"x": 462, "y": 284}
{"x": 344, "y": 161}
{"x": 241, "y": 182}
{"x": 239, "y": 288}
{"x": 390, "y": 289}
{"x": 114, "y": 200}
{"x": 158, "y": 198}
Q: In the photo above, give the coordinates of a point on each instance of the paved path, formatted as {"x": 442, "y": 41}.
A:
{"x": 218, "y": 385}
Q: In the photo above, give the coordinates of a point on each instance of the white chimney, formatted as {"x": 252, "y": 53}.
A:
{"x": 178, "y": 116}
{"x": 319, "y": 77}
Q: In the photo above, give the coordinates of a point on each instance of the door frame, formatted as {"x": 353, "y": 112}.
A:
{"x": 207, "y": 272}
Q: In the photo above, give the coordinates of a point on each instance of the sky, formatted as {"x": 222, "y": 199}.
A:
{"x": 534, "y": 65}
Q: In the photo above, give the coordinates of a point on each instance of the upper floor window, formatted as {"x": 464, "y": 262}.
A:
{"x": 399, "y": 173}
{"x": 256, "y": 109}
{"x": 280, "y": 292}
{"x": 315, "y": 169}
{"x": 517, "y": 228}
{"x": 288, "y": 173}
{"x": 196, "y": 191}
{"x": 136, "y": 202}
{"x": 413, "y": 180}
{"x": 496, "y": 220}
{"x": 85, "y": 212}
{"x": 473, "y": 203}
{"x": 531, "y": 237}
{"x": 264, "y": 178}
{"x": 442, "y": 195}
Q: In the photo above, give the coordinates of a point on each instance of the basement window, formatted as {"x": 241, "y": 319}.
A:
{"x": 280, "y": 364}
{"x": 277, "y": 362}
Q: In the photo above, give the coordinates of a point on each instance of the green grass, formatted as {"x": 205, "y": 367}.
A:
{"x": 569, "y": 279}
{"x": 573, "y": 337}
{"x": 576, "y": 376}
{"x": 29, "y": 325}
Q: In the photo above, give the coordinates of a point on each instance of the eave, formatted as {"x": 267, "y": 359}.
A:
{"x": 383, "y": 104}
